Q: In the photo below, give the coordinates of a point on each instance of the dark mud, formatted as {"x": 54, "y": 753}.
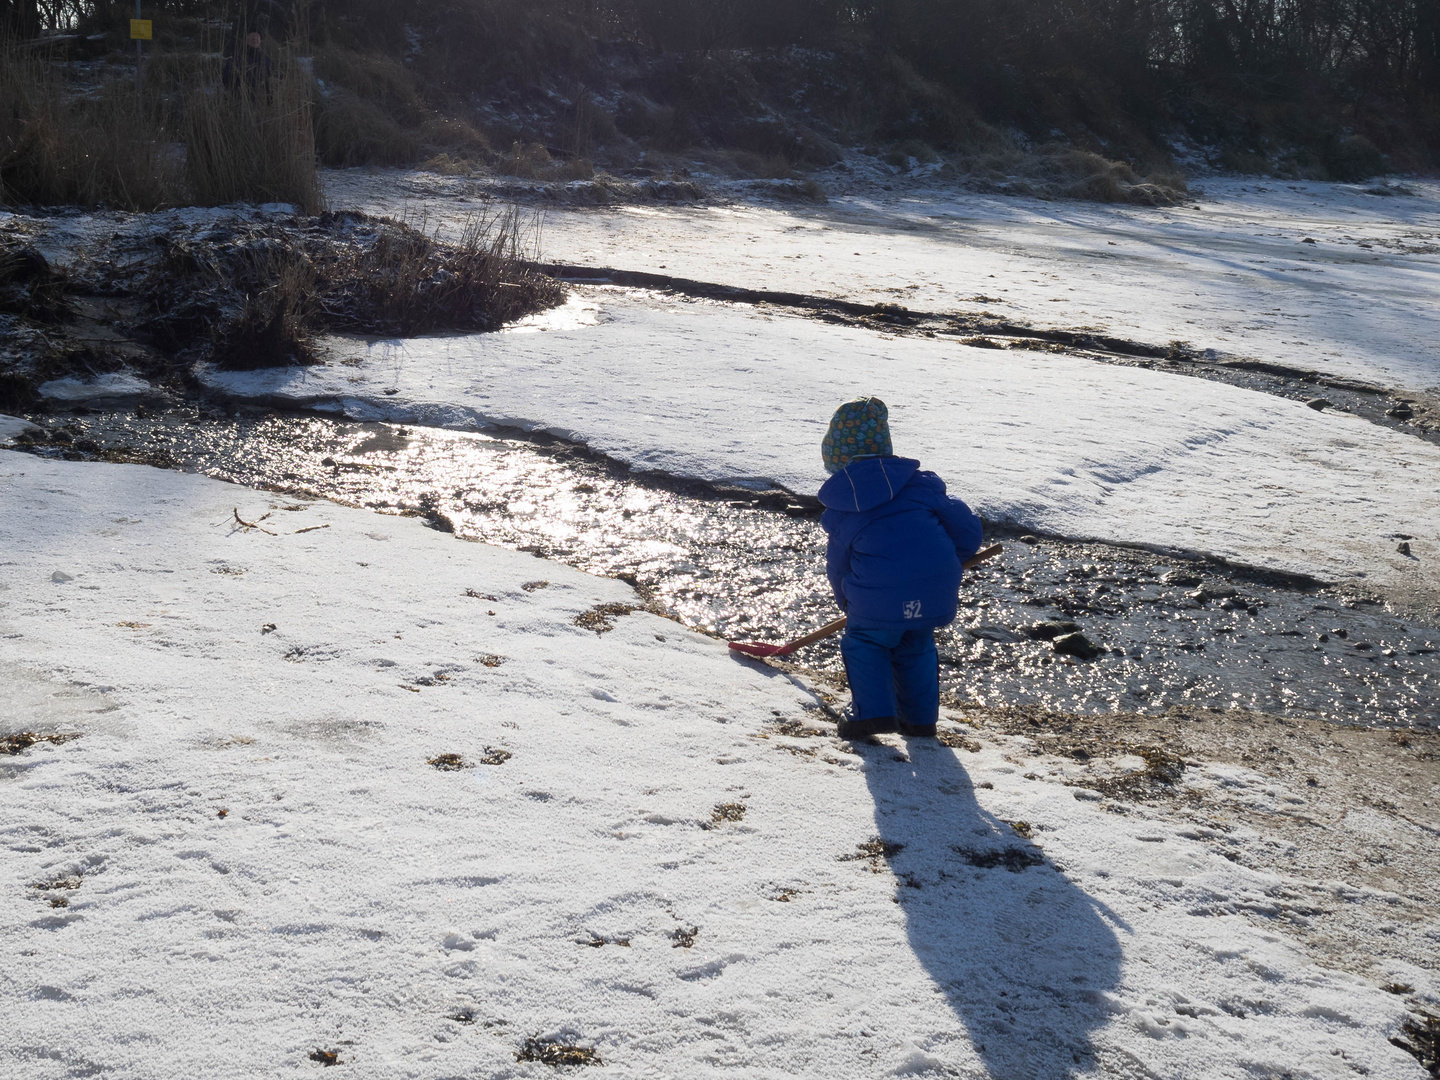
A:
{"x": 1160, "y": 632}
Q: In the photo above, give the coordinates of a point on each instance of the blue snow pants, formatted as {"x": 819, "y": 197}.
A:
{"x": 893, "y": 673}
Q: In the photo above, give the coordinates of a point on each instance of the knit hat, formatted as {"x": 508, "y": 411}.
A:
{"x": 859, "y": 428}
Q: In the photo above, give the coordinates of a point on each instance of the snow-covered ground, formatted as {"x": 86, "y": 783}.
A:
{"x": 1052, "y": 443}
{"x": 1232, "y": 271}
{"x": 248, "y": 858}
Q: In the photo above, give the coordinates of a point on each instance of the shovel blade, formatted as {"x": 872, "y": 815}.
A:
{"x": 758, "y": 648}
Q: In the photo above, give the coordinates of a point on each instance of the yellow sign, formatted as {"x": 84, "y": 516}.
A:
{"x": 140, "y": 30}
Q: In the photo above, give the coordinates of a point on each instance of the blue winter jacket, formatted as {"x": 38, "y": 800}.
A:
{"x": 896, "y": 543}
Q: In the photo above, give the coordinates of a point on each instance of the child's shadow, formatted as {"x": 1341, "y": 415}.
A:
{"x": 1021, "y": 952}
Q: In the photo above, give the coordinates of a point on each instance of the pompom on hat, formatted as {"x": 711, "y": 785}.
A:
{"x": 859, "y": 428}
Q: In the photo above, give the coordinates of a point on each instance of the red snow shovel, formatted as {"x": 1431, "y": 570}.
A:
{"x": 760, "y": 648}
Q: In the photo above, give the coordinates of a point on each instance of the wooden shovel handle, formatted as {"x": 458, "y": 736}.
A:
{"x": 828, "y": 630}
{"x": 983, "y": 556}
{"x": 831, "y": 629}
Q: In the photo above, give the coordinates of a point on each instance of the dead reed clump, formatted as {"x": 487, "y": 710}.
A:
{"x": 60, "y": 147}
{"x": 253, "y": 296}
{"x": 455, "y": 139}
{"x": 409, "y": 282}
{"x": 1421, "y": 1040}
{"x": 185, "y": 139}
{"x": 253, "y": 145}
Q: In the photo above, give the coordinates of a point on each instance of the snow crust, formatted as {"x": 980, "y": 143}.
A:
{"x": 12, "y": 427}
{"x": 264, "y": 865}
{"x": 1048, "y": 442}
{"x": 1231, "y": 271}
{"x": 109, "y": 386}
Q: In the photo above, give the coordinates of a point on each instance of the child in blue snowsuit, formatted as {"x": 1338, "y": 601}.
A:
{"x": 896, "y": 545}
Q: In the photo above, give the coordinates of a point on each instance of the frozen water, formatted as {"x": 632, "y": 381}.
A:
{"x": 1047, "y": 442}
{"x": 1232, "y": 271}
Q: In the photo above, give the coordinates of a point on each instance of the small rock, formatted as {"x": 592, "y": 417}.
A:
{"x": 1049, "y": 631}
{"x": 1404, "y": 548}
{"x": 1181, "y": 578}
{"x": 1309, "y": 240}
{"x": 1319, "y": 404}
{"x": 1078, "y": 645}
{"x": 992, "y": 633}
{"x": 59, "y": 577}
{"x": 1028, "y": 539}
{"x": 1400, "y": 412}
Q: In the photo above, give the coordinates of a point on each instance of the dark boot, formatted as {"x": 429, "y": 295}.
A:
{"x": 917, "y": 731}
{"x": 863, "y": 729}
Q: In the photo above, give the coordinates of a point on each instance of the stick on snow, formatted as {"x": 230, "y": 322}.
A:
{"x": 760, "y": 648}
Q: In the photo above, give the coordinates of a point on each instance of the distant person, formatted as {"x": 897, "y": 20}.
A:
{"x": 250, "y": 70}
{"x": 896, "y": 544}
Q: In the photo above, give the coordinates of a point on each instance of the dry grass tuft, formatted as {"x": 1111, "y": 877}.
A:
{"x": 532, "y": 161}
{"x": 550, "y": 1052}
{"x": 1014, "y": 859}
{"x": 449, "y": 763}
{"x": 1055, "y": 171}
{"x": 601, "y": 618}
{"x": 723, "y": 812}
{"x": 957, "y": 741}
{"x": 874, "y": 851}
{"x": 23, "y": 740}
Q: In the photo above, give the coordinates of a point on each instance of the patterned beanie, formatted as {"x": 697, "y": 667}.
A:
{"x": 859, "y": 428}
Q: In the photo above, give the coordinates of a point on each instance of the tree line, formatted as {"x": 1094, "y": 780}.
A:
{"x": 1376, "y": 62}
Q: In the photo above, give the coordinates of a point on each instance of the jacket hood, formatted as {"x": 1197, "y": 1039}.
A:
{"x": 867, "y": 483}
